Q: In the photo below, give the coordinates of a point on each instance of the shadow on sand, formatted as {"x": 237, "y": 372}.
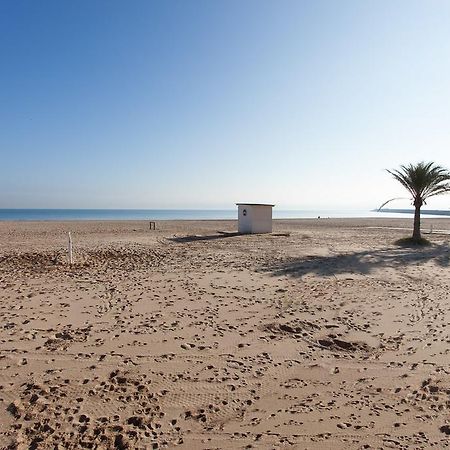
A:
{"x": 361, "y": 262}
{"x": 211, "y": 237}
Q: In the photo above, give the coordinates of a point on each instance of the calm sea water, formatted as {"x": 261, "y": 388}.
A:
{"x": 178, "y": 214}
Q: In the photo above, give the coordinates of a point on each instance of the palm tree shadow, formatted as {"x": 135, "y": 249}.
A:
{"x": 362, "y": 263}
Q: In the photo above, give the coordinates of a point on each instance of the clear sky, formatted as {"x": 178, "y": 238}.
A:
{"x": 198, "y": 104}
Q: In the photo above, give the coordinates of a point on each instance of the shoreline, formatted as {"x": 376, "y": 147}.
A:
{"x": 275, "y": 219}
{"x": 12, "y": 215}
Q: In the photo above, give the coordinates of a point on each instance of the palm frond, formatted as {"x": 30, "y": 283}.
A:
{"x": 400, "y": 177}
{"x": 391, "y": 200}
{"x": 423, "y": 180}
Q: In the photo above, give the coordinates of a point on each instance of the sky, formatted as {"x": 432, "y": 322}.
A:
{"x": 201, "y": 104}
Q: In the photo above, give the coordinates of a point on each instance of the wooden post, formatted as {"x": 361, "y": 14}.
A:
{"x": 70, "y": 249}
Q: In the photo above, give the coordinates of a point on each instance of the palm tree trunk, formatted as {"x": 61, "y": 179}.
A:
{"x": 416, "y": 232}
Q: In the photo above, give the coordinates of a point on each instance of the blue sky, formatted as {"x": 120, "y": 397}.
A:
{"x": 198, "y": 104}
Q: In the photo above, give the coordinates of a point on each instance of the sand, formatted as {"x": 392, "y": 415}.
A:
{"x": 323, "y": 335}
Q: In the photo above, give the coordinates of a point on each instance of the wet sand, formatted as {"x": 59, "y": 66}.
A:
{"x": 322, "y": 335}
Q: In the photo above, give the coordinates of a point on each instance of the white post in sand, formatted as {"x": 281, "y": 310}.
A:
{"x": 70, "y": 249}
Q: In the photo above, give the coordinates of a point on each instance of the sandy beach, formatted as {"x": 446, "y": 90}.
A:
{"x": 322, "y": 335}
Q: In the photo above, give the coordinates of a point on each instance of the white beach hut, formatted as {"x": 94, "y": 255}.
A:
{"x": 254, "y": 217}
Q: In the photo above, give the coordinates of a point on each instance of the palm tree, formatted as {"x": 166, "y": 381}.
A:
{"x": 422, "y": 180}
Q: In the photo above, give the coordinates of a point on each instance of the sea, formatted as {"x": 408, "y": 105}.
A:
{"x": 193, "y": 214}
